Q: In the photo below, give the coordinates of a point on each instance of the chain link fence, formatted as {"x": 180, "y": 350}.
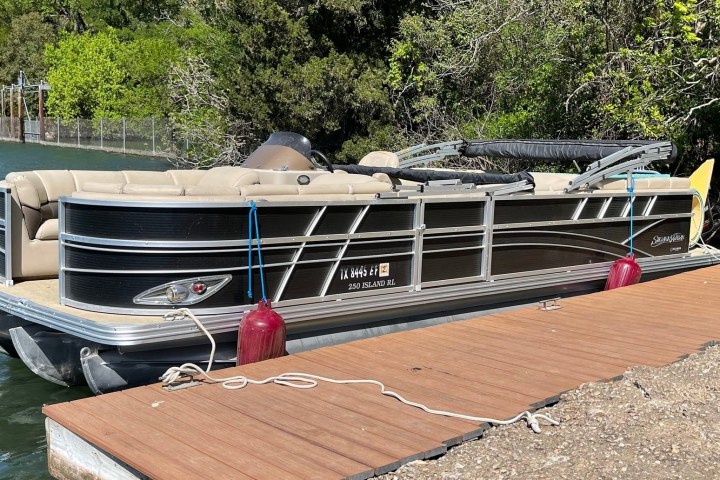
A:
{"x": 146, "y": 136}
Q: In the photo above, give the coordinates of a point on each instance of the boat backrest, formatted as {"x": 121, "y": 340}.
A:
{"x": 37, "y": 192}
{"x": 556, "y": 183}
{"x": 380, "y": 159}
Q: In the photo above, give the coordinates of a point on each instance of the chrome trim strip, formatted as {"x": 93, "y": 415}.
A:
{"x": 508, "y": 226}
{"x": 570, "y": 234}
{"x": 469, "y": 229}
{"x": 235, "y": 269}
{"x": 418, "y": 246}
{"x": 159, "y": 331}
{"x": 489, "y": 220}
{"x": 650, "y": 205}
{"x": 635, "y": 234}
{"x": 240, "y": 203}
{"x": 456, "y": 249}
{"x": 343, "y": 249}
{"x": 562, "y": 247}
{"x": 579, "y": 209}
{"x": 7, "y": 223}
{"x": 231, "y": 243}
{"x": 298, "y": 253}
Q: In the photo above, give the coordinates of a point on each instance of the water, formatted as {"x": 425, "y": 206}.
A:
{"x": 22, "y": 393}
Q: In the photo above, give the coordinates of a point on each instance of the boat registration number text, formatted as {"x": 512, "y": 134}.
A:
{"x": 362, "y": 277}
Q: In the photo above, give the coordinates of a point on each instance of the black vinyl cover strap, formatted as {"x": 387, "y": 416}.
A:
{"x": 553, "y": 150}
{"x": 424, "y": 176}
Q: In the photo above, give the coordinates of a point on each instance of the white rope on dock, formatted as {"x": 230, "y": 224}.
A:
{"x": 308, "y": 380}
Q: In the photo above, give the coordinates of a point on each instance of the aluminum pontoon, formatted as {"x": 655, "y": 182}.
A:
{"x": 96, "y": 264}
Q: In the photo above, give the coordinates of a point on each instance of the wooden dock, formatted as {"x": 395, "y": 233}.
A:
{"x": 493, "y": 366}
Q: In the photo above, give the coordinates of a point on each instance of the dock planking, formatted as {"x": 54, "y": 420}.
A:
{"x": 492, "y": 366}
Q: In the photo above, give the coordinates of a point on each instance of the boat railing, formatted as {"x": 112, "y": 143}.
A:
{"x": 608, "y": 166}
{"x": 442, "y": 150}
{"x": 447, "y": 187}
{"x": 621, "y": 161}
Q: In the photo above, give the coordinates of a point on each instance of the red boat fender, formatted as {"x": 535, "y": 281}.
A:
{"x": 261, "y": 335}
{"x": 623, "y": 272}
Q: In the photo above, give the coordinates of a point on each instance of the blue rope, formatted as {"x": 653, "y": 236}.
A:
{"x": 252, "y": 219}
{"x": 631, "y": 190}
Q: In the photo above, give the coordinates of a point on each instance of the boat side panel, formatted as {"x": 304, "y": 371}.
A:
{"x": 323, "y": 251}
{"x": 602, "y": 233}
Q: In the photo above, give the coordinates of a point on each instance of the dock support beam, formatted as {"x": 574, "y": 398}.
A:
{"x": 70, "y": 457}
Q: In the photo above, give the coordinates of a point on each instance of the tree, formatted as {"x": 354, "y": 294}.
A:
{"x": 23, "y": 46}
{"x": 103, "y": 76}
{"x": 657, "y": 77}
{"x": 285, "y": 75}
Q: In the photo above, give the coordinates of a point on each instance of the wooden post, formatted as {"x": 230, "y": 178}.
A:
{"x": 21, "y": 124}
{"x": 12, "y": 112}
{"x": 41, "y": 115}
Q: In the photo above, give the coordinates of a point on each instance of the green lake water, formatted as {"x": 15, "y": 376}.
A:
{"x": 22, "y": 393}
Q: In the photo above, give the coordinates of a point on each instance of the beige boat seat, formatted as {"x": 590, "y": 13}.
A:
{"x": 341, "y": 182}
{"x": 35, "y": 196}
{"x": 646, "y": 183}
{"x": 34, "y": 209}
{"x": 380, "y": 159}
{"x": 556, "y": 183}
{"x": 551, "y": 182}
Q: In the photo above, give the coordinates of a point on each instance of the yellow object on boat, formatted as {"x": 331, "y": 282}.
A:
{"x": 700, "y": 182}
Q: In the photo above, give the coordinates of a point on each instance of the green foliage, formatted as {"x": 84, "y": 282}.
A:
{"x": 85, "y": 76}
{"x": 358, "y": 75}
{"x": 22, "y": 48}
{"x": 101, "y": 76}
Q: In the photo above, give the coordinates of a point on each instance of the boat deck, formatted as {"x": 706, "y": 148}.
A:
{"x": 493, "y": 366}
{"x": 44, "y": 293}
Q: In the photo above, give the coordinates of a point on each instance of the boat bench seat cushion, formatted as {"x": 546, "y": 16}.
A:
{"x": 556, "y": 182}
{"x": 551, "y": 182}
{"x": 103, "y": 187}
{"x": 205, "y": 190}
{"x": 142, "y": 189}
{"x": 229, "y": 177}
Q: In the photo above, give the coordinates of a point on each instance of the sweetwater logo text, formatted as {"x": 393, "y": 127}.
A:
{"x": 663, "y": 239}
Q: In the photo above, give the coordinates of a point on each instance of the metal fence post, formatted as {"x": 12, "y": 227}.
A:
{"x": 123, "y": 134}
{"x": 58, "y": 129}
{"x": 77, "y": 123}
{"x": 101, "y": 133}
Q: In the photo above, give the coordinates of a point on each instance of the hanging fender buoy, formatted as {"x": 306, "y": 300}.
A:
{"x": 261, "y": 335}
{"x": 623, "y": 272}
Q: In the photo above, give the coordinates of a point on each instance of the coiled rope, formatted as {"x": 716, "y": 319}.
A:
{"x": 307, "y": 380}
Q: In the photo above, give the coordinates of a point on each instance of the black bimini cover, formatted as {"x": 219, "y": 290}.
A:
{"x": 424, "y": 176}
{"x": 553, "y": 150}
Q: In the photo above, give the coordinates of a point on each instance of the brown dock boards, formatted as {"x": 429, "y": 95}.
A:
{"x": 494, "y": 366}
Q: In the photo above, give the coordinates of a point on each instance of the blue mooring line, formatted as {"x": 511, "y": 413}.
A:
{"x": 631, "y": 190}
{"x": 252, "y": 219}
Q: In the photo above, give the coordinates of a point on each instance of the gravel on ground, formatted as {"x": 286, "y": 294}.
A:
{"x": 653, "y": 423}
